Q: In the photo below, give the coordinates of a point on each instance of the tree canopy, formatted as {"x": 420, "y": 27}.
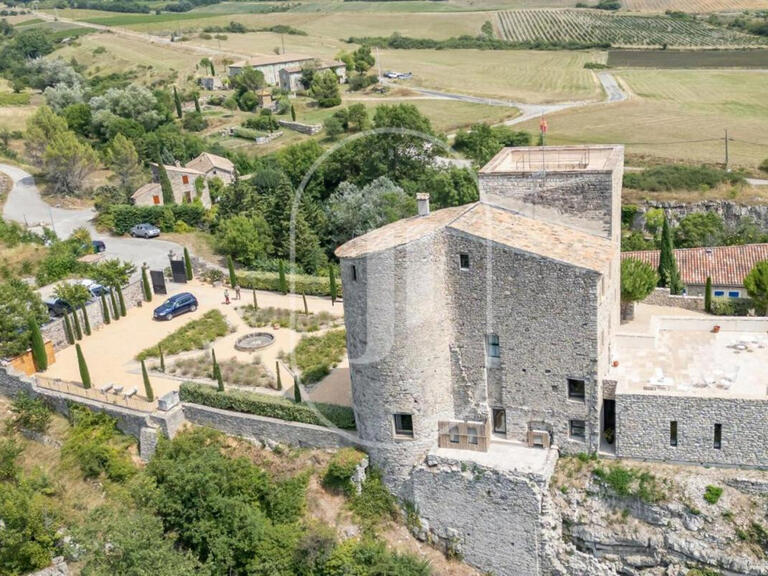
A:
{"x": 638, "y": 280}
{"x": 756, "y": 283}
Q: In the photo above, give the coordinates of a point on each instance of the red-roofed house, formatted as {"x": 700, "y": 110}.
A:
{"x": 726, "y": 265}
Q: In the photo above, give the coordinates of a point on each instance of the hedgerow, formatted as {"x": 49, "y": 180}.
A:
{"x": 122, "y": 217}
{"x": 298, "y": 283}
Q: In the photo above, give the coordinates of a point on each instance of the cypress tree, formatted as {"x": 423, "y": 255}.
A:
{"x": 104, "y": 309}
{"x": 219, "y": 379}
{"x": 708, "y": 295}
{"x": 213, "y": 70}
{"x": 304, "y": 299}
{"x": 115, "y": 309}
{"x": 332, "y": 283}
{"x": 39, "y": 354}
{"x": 165, "y": 183}
{"x": 162, "y": 358}
{"x": 282, "y": 284}
{"x": 145, "y": 285}
{"x": 669, "y": 275}
{"x": 296, "y": 391}
{"x": 187, "y": 264}
{"x": 197, "y": 104}
{"x": 279, "y": 379}
{"x": 78, "y": 330}
{"x": 215, "y": 364}
{"x": 68, "y": 330}
{"x": 293, "y": 113}
{"x": 177, "y": 102}
{"x": 86, "y": 321}
{"x": 147, "y": 386}
{"x": 232, "y": 276}
{"x": 123, "y": 310}
{"x": 255, "y": 302}
{"x": 85, "y": 376}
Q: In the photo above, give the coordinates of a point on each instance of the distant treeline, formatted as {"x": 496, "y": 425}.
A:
{"x": 481, "y": 42}
{"x": 238, "y": 28}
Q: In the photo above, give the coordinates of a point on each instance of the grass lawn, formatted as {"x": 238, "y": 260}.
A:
{"x": 671, "y": 108}
{"x": 193, "y": 335}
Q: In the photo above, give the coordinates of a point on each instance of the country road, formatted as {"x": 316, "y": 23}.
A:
{"x": 25, "y": 206}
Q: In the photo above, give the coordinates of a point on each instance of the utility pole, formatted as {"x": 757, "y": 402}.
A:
{"x": 726, "y": 150}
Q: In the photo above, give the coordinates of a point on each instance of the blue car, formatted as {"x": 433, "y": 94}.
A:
{"x": 175, "y": 305}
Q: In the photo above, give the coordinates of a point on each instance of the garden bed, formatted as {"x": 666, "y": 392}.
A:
{"x": 233, "y": 371}
{"x": 194, "y": 335}
{"x": 316, "y": 356}
{"x": 285, "y": 318}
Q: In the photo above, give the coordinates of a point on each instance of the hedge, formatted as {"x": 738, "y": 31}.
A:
{"x": 124, "y": 216}
{"x": 304, "y": 283}
{"x": 262, "y": 405}
{"x": 731, "y": 306}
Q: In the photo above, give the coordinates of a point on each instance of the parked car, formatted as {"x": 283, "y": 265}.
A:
{"x": 145, "y": 230}
{"x": 57, "y": 306}
{"x": 94, "y": 287}
{"x": 98, "y": 246}
{"x": 176, "y": 305}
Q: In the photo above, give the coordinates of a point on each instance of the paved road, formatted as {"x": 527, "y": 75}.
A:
{"x": 24, "y": 205}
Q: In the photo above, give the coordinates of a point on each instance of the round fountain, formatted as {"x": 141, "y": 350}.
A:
{"x": 254, "y": 341}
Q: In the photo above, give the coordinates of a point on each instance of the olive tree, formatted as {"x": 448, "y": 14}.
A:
{"x": 638, "y": 279}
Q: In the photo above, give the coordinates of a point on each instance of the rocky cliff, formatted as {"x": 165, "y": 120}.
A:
{"x": 731, "y": 212}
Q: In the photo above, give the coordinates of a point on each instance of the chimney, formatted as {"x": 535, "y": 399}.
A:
{"x": 422, "y": 198}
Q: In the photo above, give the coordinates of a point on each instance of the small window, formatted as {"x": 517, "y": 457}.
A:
{"x": 155, "y": 199}
{"x": 718, "y": 436}
{"x": 673, "y": 433}
{"x": 472, "y": 435}
{"x": 185, "y": 179}
{"x": 454, "y": 434}
{"x": 494, "y": 349}
{"x": 719, "y": 293}
{"x": 354, "y": 273}
{"x": 733, "y": 294}
{"x": 576, "y": 389}
{"x": 404, "y": 425}
{"x": 464, "y": 261}
{"x": 578, "y": 429}
{"x": 499, "y": 421}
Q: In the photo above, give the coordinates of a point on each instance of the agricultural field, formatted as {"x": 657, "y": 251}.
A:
{"x": 595, "y": 27}
{"x": 693, "y": 6}
{"x": 688, "y": 58}
{"x": 676, "y": 115}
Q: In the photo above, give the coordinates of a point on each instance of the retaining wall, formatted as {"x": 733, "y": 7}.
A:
{"x": 300, "y": 127}
{"x": 262, "y": 428}
{"x": 54, "y": 330}
{"x": 662, "y": 297}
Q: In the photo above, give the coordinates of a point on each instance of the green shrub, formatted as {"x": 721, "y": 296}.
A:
{"x": 631, "y": 483}
{"x": 338, "y": 474}
{"x": 124, "y": 216}
{"x": 679, "y": 177}
{"x": 712, "y": 494}
{"x": 263, "y": 405}
{"x": 30, "y": 413}
{"x": 721, "y": 306}
{"x": 755, "y": 534}
{"x": 703, "y": 572}
{"x": 96, "y": 446}
{"x": 375, "y": 502}
{"x": 194, "y": 335}
{"x": 10, "y": 450}
{"x": 315, "y": 356}
{"x": 310, "y": 285}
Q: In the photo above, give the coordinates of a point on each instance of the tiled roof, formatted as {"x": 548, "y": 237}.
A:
{"x": 320, "y": 66}
{"x": 272, "y": 59}
{"x": 726, "y": 265}
{"x": 494, "y": 224}
{"x": 207, "y": 161}
{"x": 150, "y": 188}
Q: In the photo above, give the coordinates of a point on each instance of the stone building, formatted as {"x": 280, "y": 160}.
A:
{"x": 270, "y": 65}
{"x": 489, "y": 322}
{"x": 183, "y": 180}
{"x": 290, "y": 77}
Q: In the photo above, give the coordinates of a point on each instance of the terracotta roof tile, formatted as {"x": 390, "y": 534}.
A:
{"x": 726, "y": 265}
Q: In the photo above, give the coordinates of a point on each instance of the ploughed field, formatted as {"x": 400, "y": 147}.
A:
{"x": 590, "y": 27}
{"x": 688, "y": 58}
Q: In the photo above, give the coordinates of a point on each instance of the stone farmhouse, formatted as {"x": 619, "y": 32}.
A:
{"x": 726, "y": 265}
{"x": 290, "y": 77}
{"x": 485, "y": 339}
{"x": 206, "y": 166}
{"x": 271, "y": 67}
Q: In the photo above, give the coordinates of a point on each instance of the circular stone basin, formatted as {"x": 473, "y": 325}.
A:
{"x": 254, "y": 341}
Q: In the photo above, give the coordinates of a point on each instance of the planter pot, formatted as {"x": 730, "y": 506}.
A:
{"x": 716, "y": 329}
{"x": 276, "y": 326}
{"x": 615, "y": 363}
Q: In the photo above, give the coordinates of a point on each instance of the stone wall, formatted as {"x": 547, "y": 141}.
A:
{"x": 58, "y": 568}
{"x": 310, "y": 129}
{"x": 643, "y": 429}
{"x": 491, "y": 518}
{"x": 54, "y": 330}
{"x": 262, "y": 428}
{"x": 662, "y": 297}
{"x": 730, "y": 212}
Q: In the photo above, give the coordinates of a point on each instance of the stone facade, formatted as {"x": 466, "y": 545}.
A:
{"x": 643, "y": 429}
{"x": 54, "y": 330}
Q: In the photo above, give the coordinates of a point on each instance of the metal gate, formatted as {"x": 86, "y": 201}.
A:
{"x": 179, "y": 271}
{"x": 158, "y": 282}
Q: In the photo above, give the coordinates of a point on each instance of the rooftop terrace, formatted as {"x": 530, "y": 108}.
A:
{"x": 553, "y": 159}
{"x": 684, "y": 356}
